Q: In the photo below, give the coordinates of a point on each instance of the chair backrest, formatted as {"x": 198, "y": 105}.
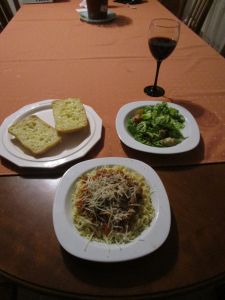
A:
{"x": 175, "y": 6}
{"x": 6, "y": 12}
{"x": 17, "y": 4}
{"x": 197, "y": 14}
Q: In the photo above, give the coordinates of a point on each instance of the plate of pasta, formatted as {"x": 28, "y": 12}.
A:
{"x": 111, "y": 209}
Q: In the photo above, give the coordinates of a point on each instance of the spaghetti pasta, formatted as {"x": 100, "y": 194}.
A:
{"x": 111, "y": 204}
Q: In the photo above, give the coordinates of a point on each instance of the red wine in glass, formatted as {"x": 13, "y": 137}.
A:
{"x": 163, "y": 37}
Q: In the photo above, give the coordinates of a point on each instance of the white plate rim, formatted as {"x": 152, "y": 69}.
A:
{"x": 44, "y": 162}
{"x": 150, "y": 239}
{"x": 190, "y": 125}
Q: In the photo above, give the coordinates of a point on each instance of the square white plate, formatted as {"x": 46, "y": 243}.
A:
{"x": 148, "y": 241}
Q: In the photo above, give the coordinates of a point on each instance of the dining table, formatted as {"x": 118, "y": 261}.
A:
{"x": 48, "y": 51}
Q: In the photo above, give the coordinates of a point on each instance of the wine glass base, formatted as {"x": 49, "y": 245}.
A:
{"x": 154, "y": 91}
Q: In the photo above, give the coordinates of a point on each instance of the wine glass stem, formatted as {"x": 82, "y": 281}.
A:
{"x": 157, "y": 72}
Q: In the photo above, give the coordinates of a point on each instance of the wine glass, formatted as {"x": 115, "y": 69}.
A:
{"x": 162, "y": 40}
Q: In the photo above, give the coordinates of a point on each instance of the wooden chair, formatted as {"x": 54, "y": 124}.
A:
{"x": 175, "y": 6}
{"x": 17, "y": 4}
{"x": 6, "y": 12}
{"x": 197, "y": 14}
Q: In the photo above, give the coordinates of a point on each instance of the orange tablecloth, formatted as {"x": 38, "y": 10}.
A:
{"x": 47, "y": 52}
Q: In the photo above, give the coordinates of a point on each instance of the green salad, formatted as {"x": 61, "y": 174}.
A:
{"x": 157, "y": 125}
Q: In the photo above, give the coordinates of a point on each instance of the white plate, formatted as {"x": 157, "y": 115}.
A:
{"x": 190, "y": 131}
{"x": 73, "y": 146}
{"x": 149, "y": 240}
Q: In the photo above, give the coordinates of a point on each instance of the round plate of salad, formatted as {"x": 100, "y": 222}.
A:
{"x": 157, "y": 127}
